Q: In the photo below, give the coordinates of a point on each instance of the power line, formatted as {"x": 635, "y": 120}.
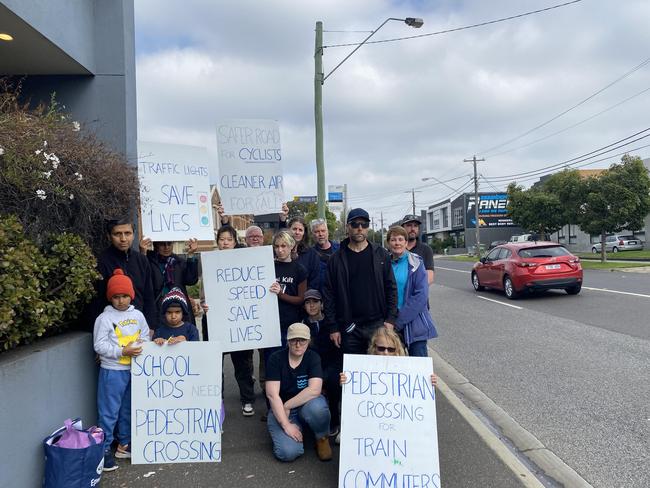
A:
{"x": 456, "y": 29}
{"x": 571, "y": 126}
{"x": 396, "y": 192}
{"x": 566, "y": 162}
{"x": 581, "y": 102}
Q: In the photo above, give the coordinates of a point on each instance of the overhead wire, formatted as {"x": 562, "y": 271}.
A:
{"x": 456, "y": 29}
{"x": 486, "y": 152}
{"x": 571, "y": 126}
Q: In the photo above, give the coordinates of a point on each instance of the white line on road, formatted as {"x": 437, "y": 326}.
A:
{"x": 500, "y": 303}
{"x": 452, "y": 269}
{"x": 616, "y": 291}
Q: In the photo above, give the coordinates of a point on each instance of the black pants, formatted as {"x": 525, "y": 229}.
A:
{"x": 358, "y": 339}
{"x": 242, "y": 361}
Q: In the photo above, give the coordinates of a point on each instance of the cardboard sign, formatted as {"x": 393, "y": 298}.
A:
{"x": 243, "y": 313}
{"x": 175, "y": 202}
{"x": 389, "y": 435}
{"x": 250, "y": 167}
{"x": 176, "y": 403}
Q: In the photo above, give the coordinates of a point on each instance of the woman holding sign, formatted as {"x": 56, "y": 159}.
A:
{"x": 414, "y": 322}
{"x": 303, "y": 253}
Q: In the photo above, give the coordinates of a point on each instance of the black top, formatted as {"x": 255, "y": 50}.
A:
{"x": 321, "y": 342}
{"x": 426, "y": 253}
{"x": 289, "y": 275}
{"x": 187, "y": 329}
{"x": 364, "y": 304}
{"x": 292, "y": 381}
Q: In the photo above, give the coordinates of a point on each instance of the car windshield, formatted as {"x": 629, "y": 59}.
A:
{"x": 626, "y": 238}
{"x": 543, "y": 252}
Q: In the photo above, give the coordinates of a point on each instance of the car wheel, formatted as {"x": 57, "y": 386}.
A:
{"x": 509, "y": 288}
{"x": 594, "y": 250}
{"x": 476, "y": 283}
{"x": 615, "y": 249}
{"x": 574, "y": 290}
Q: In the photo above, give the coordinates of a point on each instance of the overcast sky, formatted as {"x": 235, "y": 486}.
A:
{"x": 397, "y": 112}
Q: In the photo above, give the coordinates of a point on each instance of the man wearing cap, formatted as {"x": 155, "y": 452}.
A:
{"x": 294, "y": 379}
{"x": 360, "y": 293}
{"x": 411, "y": 224}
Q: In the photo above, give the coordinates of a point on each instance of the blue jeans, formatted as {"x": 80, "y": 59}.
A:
{"x": 114, "y": 405}
{"x": 418, "y": 349}
{"x": 314, "y": 414}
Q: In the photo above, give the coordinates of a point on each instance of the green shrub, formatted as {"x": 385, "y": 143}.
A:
{"x": 41, "y": 289}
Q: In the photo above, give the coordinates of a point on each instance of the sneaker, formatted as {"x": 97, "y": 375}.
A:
{"x": 323, "y": 449}
{"x": 337, "y": 441}
{"x": 334, "y": 431}
{"x": 109, "y": 462}
{"x": 123, "y": 452}
{"x": 247, "y": 410}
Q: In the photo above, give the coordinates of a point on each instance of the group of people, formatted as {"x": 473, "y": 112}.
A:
{"x": 333, "y": 299}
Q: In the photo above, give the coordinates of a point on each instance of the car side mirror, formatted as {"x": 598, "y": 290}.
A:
{"x": 482, "y": 260}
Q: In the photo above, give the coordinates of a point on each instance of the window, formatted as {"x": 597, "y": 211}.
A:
{"x": 493, "y": 255}
{"x": 458, "y": 217}
{"x": 505, "y": 253}
{"x": 436, "y": 219}
{"x": 543, "y": 252}
{"x": 445, "y": 217}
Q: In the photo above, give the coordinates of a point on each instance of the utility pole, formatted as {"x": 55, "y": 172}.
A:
{"x": 413, "y": 192}
{"x": 318, "y": 120}
{"x": 476, "y": 224}
{"x": 374, "y": 237}
{"x": 382, "y": 229}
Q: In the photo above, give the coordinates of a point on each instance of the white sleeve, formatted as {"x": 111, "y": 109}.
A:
{"x": 103, "y": 341}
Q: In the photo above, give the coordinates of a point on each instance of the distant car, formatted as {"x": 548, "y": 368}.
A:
{"x": 528, "y": 266}
{"x": 494, "y": 244}
{"x": 521, "y": 238}
{"x": 619, "y": 242}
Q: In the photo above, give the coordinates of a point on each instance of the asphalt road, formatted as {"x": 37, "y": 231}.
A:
{"x": 572, "y": 370}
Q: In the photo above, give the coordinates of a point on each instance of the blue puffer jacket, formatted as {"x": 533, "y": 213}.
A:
{"x": 413, "y": 319}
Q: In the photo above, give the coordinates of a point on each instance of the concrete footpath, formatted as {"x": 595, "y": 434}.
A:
{"x": 470, "y": 455}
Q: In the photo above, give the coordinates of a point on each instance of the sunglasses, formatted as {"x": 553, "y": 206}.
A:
{"x": 356, "y": 225}
{"x": 384, "y": 349}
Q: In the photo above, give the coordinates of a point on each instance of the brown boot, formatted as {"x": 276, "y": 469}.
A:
{"x": 323, "y": 449}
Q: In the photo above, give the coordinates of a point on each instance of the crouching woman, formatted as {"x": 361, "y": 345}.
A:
{"x": 294, "y": 379}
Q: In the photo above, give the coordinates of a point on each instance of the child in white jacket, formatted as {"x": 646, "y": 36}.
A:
{"x": 119, "y": 331}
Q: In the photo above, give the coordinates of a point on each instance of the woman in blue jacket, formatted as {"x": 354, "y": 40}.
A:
{"x": 414, "y": 322}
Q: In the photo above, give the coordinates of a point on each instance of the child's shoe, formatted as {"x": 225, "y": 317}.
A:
{"x": 123, "y": 452}
{"x": 109, "y": 462}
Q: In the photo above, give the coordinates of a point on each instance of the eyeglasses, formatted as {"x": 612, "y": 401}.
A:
{"x": 298, "y": 341}
{"x": 254, "y": 236}
{"x": 357, "y": 224}
{"x": 384, "y": 349}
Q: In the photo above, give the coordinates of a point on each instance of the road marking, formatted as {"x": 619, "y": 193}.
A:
{"x": 616, "y": 291}
{"x": 500, "y": 303}
{"x": 452, "y": 269}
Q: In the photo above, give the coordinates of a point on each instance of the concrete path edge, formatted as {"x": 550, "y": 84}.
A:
{"x": 452, "y": 383}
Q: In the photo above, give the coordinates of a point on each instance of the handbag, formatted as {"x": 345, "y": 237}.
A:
{"x": 74, "y": 457}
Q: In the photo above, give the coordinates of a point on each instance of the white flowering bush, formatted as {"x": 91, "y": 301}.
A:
{"x": 55, "y": 176}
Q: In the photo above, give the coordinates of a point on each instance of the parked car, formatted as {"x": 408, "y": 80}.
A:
{"x": 521, "y": 238}
{"x": 619, "y": 242}
{"x": 494, "y": 244}
{"x": 516, "y": 268}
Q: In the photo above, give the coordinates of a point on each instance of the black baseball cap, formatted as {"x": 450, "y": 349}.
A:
{"x": 358, "y": 213}
{"x": 411, "y": 218}
{"x": 312, "y": 294}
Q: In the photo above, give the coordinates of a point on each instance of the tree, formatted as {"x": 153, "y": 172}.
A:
{"x": 535, "y": 210}
{"x": 617, "y": 199}
{"x": 569, "y": 188}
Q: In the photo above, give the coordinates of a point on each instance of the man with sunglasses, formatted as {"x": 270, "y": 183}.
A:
{"x": 360, "y": 294}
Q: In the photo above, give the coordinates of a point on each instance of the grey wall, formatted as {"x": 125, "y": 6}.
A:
{"x": 41, "y": 385}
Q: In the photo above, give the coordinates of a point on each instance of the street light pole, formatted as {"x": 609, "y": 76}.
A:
{"x": 319, "y": 80}
{"x": 318, "y": 120}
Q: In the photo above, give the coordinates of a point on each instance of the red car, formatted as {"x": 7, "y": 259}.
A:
{"x": 528, "y": 266}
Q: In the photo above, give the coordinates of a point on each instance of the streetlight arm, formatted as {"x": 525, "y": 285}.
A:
{"x": 362, "y": 43}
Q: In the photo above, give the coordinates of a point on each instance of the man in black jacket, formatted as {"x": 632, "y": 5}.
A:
{"x": 136, "y": 266}
{"x": 360, "y": 293}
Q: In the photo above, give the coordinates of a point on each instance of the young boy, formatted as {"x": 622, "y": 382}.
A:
{"x": 174, "y": 306}
{"x": 119, "y": 331}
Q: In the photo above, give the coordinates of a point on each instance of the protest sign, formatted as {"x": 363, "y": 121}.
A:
{"x": 388, "y": 427}
{"x": 175, "y": 202}
{"x": 176, "y": 403}
{"x": 250, "y": 167}
{"x": 243, "y": 313}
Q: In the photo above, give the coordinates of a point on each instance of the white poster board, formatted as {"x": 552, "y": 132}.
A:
{"x": 250, "y": 167}
{"x": 175, "y": 202}
{"x": 176, "y": 403}
{"x": 243, "y": 313}
{"x": 389, "y": 435}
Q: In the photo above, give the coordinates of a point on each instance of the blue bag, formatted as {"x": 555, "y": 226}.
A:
{"x": 72, "y": 468}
